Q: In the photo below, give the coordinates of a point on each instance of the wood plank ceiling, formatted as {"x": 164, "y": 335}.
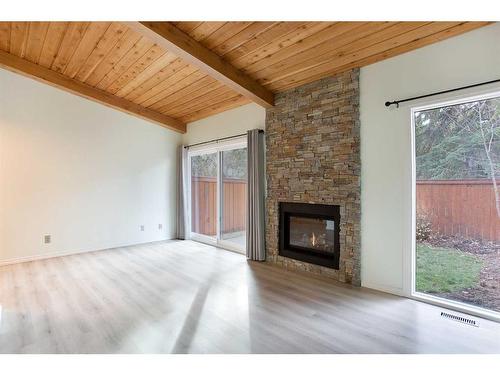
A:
{"x": 120, "y": 62}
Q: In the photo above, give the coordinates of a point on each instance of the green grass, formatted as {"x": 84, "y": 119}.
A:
{"x": 445, "y": 270}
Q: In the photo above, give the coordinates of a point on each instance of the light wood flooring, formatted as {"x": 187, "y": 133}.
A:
{"x": 186, "y": 297}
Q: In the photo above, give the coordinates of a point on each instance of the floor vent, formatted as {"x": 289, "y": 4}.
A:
{"x": 460, "y": 319}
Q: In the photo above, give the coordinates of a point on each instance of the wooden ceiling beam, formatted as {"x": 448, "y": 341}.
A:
{"x": 53, "y": 78}
{"x": 176, "y": 41}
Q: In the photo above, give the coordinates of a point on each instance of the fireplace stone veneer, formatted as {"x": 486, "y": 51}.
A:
{"x": 312, "y": 156}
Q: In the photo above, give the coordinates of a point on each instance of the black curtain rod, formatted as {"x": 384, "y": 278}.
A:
{"x": 388, "y": 104}
{"x": 220, "y": 139}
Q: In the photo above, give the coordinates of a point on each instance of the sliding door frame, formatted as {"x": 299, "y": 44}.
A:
{"x": 218, "y": 148}
{"x": 410, "y": 267}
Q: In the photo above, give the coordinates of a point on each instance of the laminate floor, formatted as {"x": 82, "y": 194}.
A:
{"x": 186, "y": 297}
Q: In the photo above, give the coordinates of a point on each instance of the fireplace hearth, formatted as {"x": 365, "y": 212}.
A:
{"x": 310, "y": 233}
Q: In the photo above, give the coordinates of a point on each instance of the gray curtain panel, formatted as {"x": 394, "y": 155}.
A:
{"x": 182, "y": 209}
{"x": 256, "y": 189}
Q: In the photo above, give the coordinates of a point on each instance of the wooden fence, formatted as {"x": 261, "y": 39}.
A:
{"x": 204, "y": 205}
{"x": 460, "y": 207}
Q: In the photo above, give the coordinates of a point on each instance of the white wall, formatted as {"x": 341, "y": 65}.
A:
{"x": 385, "y": 142}
{"x": 233, "y": 122}
{"x": 86, "y": 174}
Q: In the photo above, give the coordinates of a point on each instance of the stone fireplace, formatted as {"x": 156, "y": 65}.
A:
{"x": 313, "y": 161}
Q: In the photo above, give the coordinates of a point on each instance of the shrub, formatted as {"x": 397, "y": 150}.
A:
{"x": 423, "y": 228}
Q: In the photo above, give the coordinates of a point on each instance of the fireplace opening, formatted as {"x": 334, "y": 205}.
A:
{"x": 310, "y": 233}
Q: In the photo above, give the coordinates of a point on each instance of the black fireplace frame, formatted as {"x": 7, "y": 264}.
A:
{"x": 308, "y": 210}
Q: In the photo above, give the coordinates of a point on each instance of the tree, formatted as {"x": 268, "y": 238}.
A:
{"x": 460, "y": 142}
{"x": 234, "y": 164}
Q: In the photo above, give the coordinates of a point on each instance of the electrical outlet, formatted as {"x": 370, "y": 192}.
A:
{"x": 142, "y": 228}
{"x": 47, "y": 238}
{"x": 160, "y": 226}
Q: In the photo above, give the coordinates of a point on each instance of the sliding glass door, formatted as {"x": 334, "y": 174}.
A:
{"x": 456, "y": 261}
{"x": 233, "y": 194}
{"x": 204, "y": 195}
{"x": 218, "y": 191}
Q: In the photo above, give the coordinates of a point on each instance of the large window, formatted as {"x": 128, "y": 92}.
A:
{"x": 457, "y": 203}
{"x": 218, "y": 194}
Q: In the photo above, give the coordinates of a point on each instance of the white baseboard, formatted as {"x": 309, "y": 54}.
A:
{"x": 31, "y": 258}
{"x": 56, "y": 254}
{"x": 384, "y": 288}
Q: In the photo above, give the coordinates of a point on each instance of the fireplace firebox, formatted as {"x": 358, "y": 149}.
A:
{"x": 310, "y": 233}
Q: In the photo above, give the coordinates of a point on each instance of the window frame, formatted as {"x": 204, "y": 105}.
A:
{"x": 410, "y": 289}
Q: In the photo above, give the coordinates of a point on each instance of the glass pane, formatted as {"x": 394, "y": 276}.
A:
{"x": 204, "y": 194}
{"x": 234, "y": 192}
{"x": 458, "y": 203}
{"x": 312, "y": 233}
